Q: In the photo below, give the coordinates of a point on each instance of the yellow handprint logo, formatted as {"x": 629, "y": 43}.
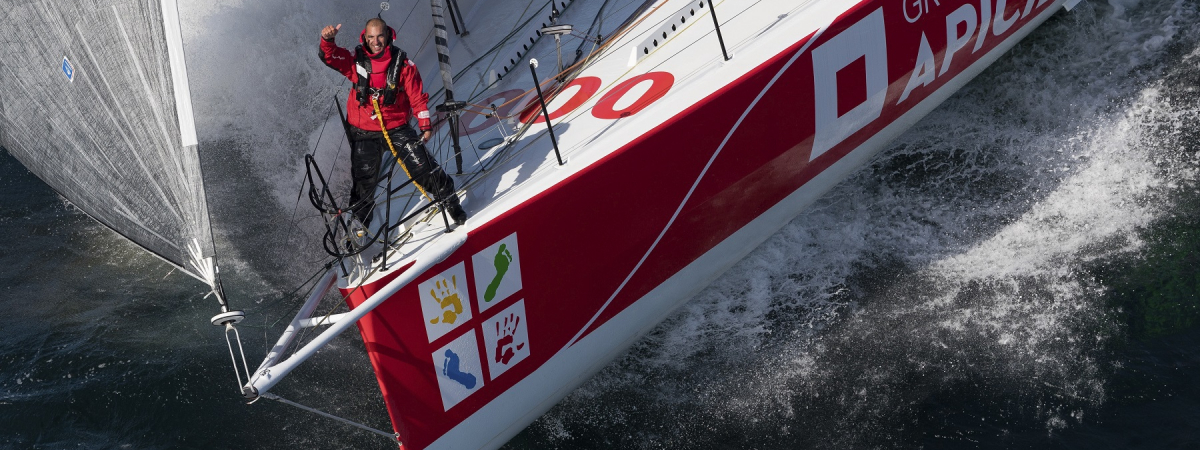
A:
{"x": 448, "y": 300}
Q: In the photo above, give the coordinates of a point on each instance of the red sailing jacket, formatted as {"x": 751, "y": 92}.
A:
{"x": 362, "y": 117}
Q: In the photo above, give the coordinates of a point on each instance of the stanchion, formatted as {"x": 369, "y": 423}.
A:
{"x": 533, "y": 63}
{"x": 712, "y": 11}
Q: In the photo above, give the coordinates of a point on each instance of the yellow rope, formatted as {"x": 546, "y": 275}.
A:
{"x": 386, "y": 136}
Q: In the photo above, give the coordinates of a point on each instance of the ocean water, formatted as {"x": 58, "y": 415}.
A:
{"x": 1019, "y": 270}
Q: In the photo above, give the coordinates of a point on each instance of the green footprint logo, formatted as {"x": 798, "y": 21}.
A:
{"x": 503, "y": 259}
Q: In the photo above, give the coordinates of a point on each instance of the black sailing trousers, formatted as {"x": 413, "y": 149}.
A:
{"x": 367, "y": 153}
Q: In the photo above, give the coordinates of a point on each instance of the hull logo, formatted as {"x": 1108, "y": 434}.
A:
{"x": 459, "y": 373}
{"x": 445, "y": 303}
{"x": 497, "y": 272}
{"x": 446, "y": 306}
{"x": 68, "y": 70}
{"x": 864, "y": 42}
{"x": 506, "y": 338}
{"x": 917, "y": 8}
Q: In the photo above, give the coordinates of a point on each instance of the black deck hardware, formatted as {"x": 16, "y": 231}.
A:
{"x": 456, "y": 18}
{"x": 545, "y": 112}
{"x": 453, "y": 109}
{"x": 712, "y": 10}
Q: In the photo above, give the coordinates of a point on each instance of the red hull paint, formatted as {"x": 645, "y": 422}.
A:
{"x": 575, "y": 250}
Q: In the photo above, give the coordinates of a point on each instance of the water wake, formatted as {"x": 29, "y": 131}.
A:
{"x": 946, "y": 291}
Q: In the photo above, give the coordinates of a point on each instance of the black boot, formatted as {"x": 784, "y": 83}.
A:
{"x": 455, "y": 210}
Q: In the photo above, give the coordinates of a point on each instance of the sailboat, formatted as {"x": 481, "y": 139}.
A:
{"x": 610, "y": 172}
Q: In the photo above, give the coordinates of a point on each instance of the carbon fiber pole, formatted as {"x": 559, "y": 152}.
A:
{"x": 457, "y": 11}
{"x": 712, "y": 11}
{"x": 533, "y": 63}
{"x": 453, "y": 21}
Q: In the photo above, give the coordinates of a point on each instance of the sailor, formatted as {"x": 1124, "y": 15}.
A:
{"x": 387, "y": 91}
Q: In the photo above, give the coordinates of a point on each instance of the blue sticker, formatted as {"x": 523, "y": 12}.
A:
{"x": 450, "y": 368}
{"x": 68, "y": 70}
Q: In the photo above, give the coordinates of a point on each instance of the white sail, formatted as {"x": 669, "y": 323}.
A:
{"x": 96, "y": 104}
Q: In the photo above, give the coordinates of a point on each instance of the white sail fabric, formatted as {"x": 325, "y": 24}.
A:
{"x": 92, "y": 105}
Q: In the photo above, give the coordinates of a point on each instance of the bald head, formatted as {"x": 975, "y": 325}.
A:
{"x": 375, "y": 35}
{"x": 376, "y": 22}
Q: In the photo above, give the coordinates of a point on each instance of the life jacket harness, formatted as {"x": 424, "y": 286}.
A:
{"x": 363, "y": 90}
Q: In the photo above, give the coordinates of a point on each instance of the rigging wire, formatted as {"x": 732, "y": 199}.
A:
{"x": 494, "y": 51}
{"x": 410, "y": 13}
{"x": 495, "y": 54}
{"x": 574, "y": 68}
{"x": 500, "y": 157}
{"x": 329, "y": 313}
{"x": 578, "y": 66}
{"x": 504, "y": 154}
{"x": 293, "y": 295}
{"x": 392, "y": 437}
{"x": 317, "y": 146}
{"x": 623, "y": 31}
{"x": 599, "y": 18}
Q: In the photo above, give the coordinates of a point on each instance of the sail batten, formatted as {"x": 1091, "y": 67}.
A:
{"x": 120, "y": 143}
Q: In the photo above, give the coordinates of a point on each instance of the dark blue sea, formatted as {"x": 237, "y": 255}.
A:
{"x": 1019, "y": 270}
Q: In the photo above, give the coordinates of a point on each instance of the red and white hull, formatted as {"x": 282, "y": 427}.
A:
{"x": 679, "y": 165}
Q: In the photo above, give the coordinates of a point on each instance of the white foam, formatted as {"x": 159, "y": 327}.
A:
{"x": 960, "y": 254}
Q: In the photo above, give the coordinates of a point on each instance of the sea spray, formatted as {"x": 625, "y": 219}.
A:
{"x": 946, "y": 285}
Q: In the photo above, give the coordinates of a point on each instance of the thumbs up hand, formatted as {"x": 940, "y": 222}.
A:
{"x": 330, "y": 32}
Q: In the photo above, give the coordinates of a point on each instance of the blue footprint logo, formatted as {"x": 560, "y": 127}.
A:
{"x": 450, "y": 370}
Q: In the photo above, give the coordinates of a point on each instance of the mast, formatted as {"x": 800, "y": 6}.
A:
{"x": 449, "y": 106}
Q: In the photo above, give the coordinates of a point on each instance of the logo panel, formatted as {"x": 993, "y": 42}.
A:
{"x": 68, "y": 69}
{"x": 497, "y": 272}
{"x": 445, "y": 303}
{"x": 459, "y": 373}
{"x": 506, "y": 339}
{"x": 864, "y": 41}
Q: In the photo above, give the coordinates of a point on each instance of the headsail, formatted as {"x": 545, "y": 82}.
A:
{"x": 119, "y": 142}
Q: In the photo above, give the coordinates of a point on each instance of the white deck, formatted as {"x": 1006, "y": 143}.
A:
{"x": 692, "y": 54}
